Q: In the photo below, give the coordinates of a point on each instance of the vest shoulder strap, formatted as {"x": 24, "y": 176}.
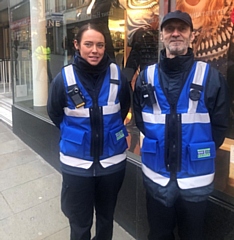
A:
{"x": 200, "y": 72}
{"x": 70, "y": 76}
{"x": 114, "y": 74}
{"x": 149, "y": 74}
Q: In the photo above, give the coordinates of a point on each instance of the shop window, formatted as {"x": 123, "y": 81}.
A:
{"x": 213, "y": 26}
{"x": 141, "y": 23}
{"x": 74, "y": 3}
{"x": 21, "y": 52}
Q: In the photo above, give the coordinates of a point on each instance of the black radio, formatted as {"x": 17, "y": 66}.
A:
{"x": 76, "y": 96}
{"x": 148, "y": 96}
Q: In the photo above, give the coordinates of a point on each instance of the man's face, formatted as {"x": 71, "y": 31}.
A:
{"x": 176, "y": 36}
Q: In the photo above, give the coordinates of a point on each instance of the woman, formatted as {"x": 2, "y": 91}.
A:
{"x": 88, "y": 102}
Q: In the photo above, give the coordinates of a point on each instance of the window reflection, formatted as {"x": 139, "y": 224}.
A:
{"x": 213, "y": 26}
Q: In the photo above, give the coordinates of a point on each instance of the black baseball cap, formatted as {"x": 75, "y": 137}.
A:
{"x": 183, "y": 16}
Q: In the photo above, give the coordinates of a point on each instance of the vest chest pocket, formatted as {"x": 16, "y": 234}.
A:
{"x": 117, "y": 140}
{"x": 201, "y": 158}
{"x": 151, "y": 155}
{"x": 72, "y": 142}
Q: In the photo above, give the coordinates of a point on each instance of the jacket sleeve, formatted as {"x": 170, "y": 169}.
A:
{"x": 124, "y": 97}
{"x": 217, "y": 102}
{"x": 137, "y": 102}
{"x": 56, "y": 100}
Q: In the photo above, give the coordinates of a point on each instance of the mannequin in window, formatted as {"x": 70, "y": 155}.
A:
{"x": 214, "y": 43}
{"x": 142, "y": 35}
{"x": 100, "y": 11}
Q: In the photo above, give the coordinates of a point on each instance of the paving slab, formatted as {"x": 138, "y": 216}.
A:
{"x": 30, "y": 195}
{"x": 41, "y": 190}
{"x": 10, "y": 160}
{"x": 5, "y": 210}
{"x": 36, "y": 223}
{"x": 23, "y": 173}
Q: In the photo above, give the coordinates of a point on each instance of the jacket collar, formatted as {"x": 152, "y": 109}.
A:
{"x": 178, "y": 64}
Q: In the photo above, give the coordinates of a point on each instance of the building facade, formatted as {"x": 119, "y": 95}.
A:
{"x": 36, "y": 39}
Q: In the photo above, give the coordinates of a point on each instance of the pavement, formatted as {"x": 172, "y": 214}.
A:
{"x": 30, "y": 194}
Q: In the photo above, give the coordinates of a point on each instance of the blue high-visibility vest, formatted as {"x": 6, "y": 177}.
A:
{"x": 197, "y": 148}
{"x": 76, "y": 131}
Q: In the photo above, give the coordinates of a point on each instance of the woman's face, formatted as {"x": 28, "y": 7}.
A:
{"x": 91, "y": 47}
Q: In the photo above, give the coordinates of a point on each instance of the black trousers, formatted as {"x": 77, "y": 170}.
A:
{"x": 189, "y": 217}
{"x": 80, "y": 195}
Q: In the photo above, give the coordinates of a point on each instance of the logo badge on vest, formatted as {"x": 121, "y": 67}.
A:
{"x": 203, "y": 153}
{"x": 119, "y": 135}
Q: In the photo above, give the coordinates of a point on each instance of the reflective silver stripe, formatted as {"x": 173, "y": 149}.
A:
{"x": 197, "y": 79}
{"x": 155, "y": 177}
{"x": 194, "y": 182}
{"x": 185, "y": 118}
{"x": 75, "y": 162}
{"x": 84, "y": 112}
{"x": 114, "y": 71}
{"x": 78, "y": 112}
{"x": 107, "y": 162}
{"x": 150, "y": 77}
{"x": 150, "y": 74}
{"x": 111, "y": 109}
{"x": 195, "y": 118}
{"x": 113, "y": 87}
{"x": 70, "y": 76}
{"x": 152, "y": 118}
{"x": 183, "y": 183}
{"x": 81, "y": 163}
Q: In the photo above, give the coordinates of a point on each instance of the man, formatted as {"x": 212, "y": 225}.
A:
{"x": 181, "y": 107}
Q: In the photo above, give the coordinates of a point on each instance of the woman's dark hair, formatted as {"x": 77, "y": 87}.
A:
{"x": 86, "y": 27}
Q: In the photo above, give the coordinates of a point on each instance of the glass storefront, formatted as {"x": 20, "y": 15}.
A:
{"x": 42, "y": 33}
{"x": 213, "y": 26}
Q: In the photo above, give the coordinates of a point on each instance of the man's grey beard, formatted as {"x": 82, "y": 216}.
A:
{"x": 177, "y": 52}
